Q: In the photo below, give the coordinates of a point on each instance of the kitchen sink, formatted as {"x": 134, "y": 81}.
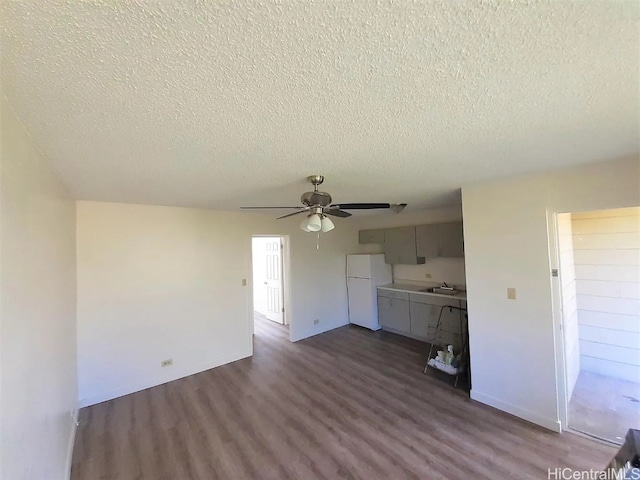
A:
{"x": 441, "y": 291}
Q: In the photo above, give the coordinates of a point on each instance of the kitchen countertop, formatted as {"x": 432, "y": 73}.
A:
{"x": 410, "y": 288}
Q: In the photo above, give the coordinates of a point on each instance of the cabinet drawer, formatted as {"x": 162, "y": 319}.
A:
{"x": 432, "y": 300}
{"x": 393, "y": 294}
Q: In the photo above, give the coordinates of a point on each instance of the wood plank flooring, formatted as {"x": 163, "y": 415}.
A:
{"x": 349, "y": 403}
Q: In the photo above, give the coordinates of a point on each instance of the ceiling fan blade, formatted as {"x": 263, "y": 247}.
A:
{"x": 294, "y": 213}
{"x": 337, "y": 213}
{"x": 361, "y": 206}
{"x": 256, "y": 208}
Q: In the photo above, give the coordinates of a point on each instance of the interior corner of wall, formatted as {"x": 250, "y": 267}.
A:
{"x": 552, "y": 424}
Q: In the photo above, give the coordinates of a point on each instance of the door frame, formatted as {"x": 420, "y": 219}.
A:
{"x": 557, "y": 307}
{"x": 286, "y": 279}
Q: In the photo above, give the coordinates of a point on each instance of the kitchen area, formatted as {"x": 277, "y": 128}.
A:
{"x": 410, "y": 282}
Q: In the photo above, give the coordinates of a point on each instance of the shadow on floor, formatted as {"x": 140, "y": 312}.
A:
{"x": 604, "y": 407}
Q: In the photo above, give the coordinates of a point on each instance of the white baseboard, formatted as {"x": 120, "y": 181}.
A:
{"x": 154, "y": 382}
{"x": 528, "y": 415}
{"x": 319, "y": 330}
{"x": 72, "y": 441}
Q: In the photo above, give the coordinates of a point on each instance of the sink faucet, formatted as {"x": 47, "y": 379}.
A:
{"x": 444, "y": 286}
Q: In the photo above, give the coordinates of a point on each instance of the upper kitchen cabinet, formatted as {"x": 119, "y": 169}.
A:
{"x": 440, "y": 240}
{"x": 371, "y": 236}
{"x": 427, "y": 240}
{"x": 400, "y": 246}
{"x": 450, "y": 240}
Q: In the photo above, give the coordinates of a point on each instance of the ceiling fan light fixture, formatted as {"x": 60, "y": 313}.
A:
{"x": 327, "y": 224}
{"x": 304, "y": 225}
{"x": 316, "y": 205}
{"x": 314, "y": 223}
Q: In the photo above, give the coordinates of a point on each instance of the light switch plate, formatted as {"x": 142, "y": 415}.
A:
{"x": 244, "y": 282}
{"x": 511, "y": 293}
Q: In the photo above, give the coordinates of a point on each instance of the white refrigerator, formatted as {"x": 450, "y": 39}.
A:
{"x": 364, "y": 274}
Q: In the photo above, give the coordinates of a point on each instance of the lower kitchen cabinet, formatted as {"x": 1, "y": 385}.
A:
{"x": 394, "y": 314}
{"x": 422, "y": 320}
{"x": 416, "y": 316}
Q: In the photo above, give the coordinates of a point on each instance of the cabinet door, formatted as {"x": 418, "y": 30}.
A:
{"x": 421, "y": 324}
{"x": 394, "y": 314}
{"x": 392, "y": 246}
{"x": 427, "y": 241}
{"x": 384, "y": 311}
{"x": 371, "y": 236}
{"x": 400, "y": 246}
{"x": 450, "y": 240}
{"x": 376, "y": 236}
{"x": 364, "y": 236}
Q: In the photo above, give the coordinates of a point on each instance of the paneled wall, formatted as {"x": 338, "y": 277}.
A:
{"x": 607, "y": 265}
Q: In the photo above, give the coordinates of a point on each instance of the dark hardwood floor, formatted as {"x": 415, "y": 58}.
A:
{"x": 349, "y": 403}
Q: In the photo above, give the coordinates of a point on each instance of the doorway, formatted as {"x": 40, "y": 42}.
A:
{"x": 598, "y": 255}
{"x": 268, "y": 278}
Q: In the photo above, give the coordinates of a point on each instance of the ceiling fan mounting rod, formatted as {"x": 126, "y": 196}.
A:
{"x": 315, "y": 180}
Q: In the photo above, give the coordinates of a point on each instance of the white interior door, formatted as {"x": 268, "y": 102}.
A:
{"x": 273, "y": 279}
{"x": 259, "y": 275}
{"x": 562, "y": 393}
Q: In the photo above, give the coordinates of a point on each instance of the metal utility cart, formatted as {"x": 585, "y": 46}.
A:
{"x": 442, "y": 337}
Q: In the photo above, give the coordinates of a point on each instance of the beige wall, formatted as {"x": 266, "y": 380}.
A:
{"x": 164, "y": 282}
{"x": 514, "y": 343}
{"x": 37, "y": 311}
{"x": 450, "y": 270}
{"x": 607, "y": 263}
{"x": 569, "y": 303}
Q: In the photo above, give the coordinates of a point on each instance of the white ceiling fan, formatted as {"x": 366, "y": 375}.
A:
{"x": 317, "y": 205}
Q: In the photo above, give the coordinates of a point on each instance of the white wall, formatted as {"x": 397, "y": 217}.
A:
{"x": 37, "y": 311}
{"x": 513, "y": 342}
{"x": 450, "y": 270}
{"x": 569, "y": 303}
{"x": 607, "y": 262}
{"x": 163, "y": 282}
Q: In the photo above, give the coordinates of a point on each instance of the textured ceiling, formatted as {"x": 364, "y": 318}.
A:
{"x": 222, "y": 104}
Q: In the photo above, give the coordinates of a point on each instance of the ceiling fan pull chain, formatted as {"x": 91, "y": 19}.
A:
{"x": 318, "y": 241}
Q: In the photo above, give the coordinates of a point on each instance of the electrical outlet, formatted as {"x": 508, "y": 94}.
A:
{"x": 511, "y": 293}
{"x": 167, "y": 363}
{"x": 427, "y": 275}
{"x": 244, "y": 282}
{"x": 316, "y": 321}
